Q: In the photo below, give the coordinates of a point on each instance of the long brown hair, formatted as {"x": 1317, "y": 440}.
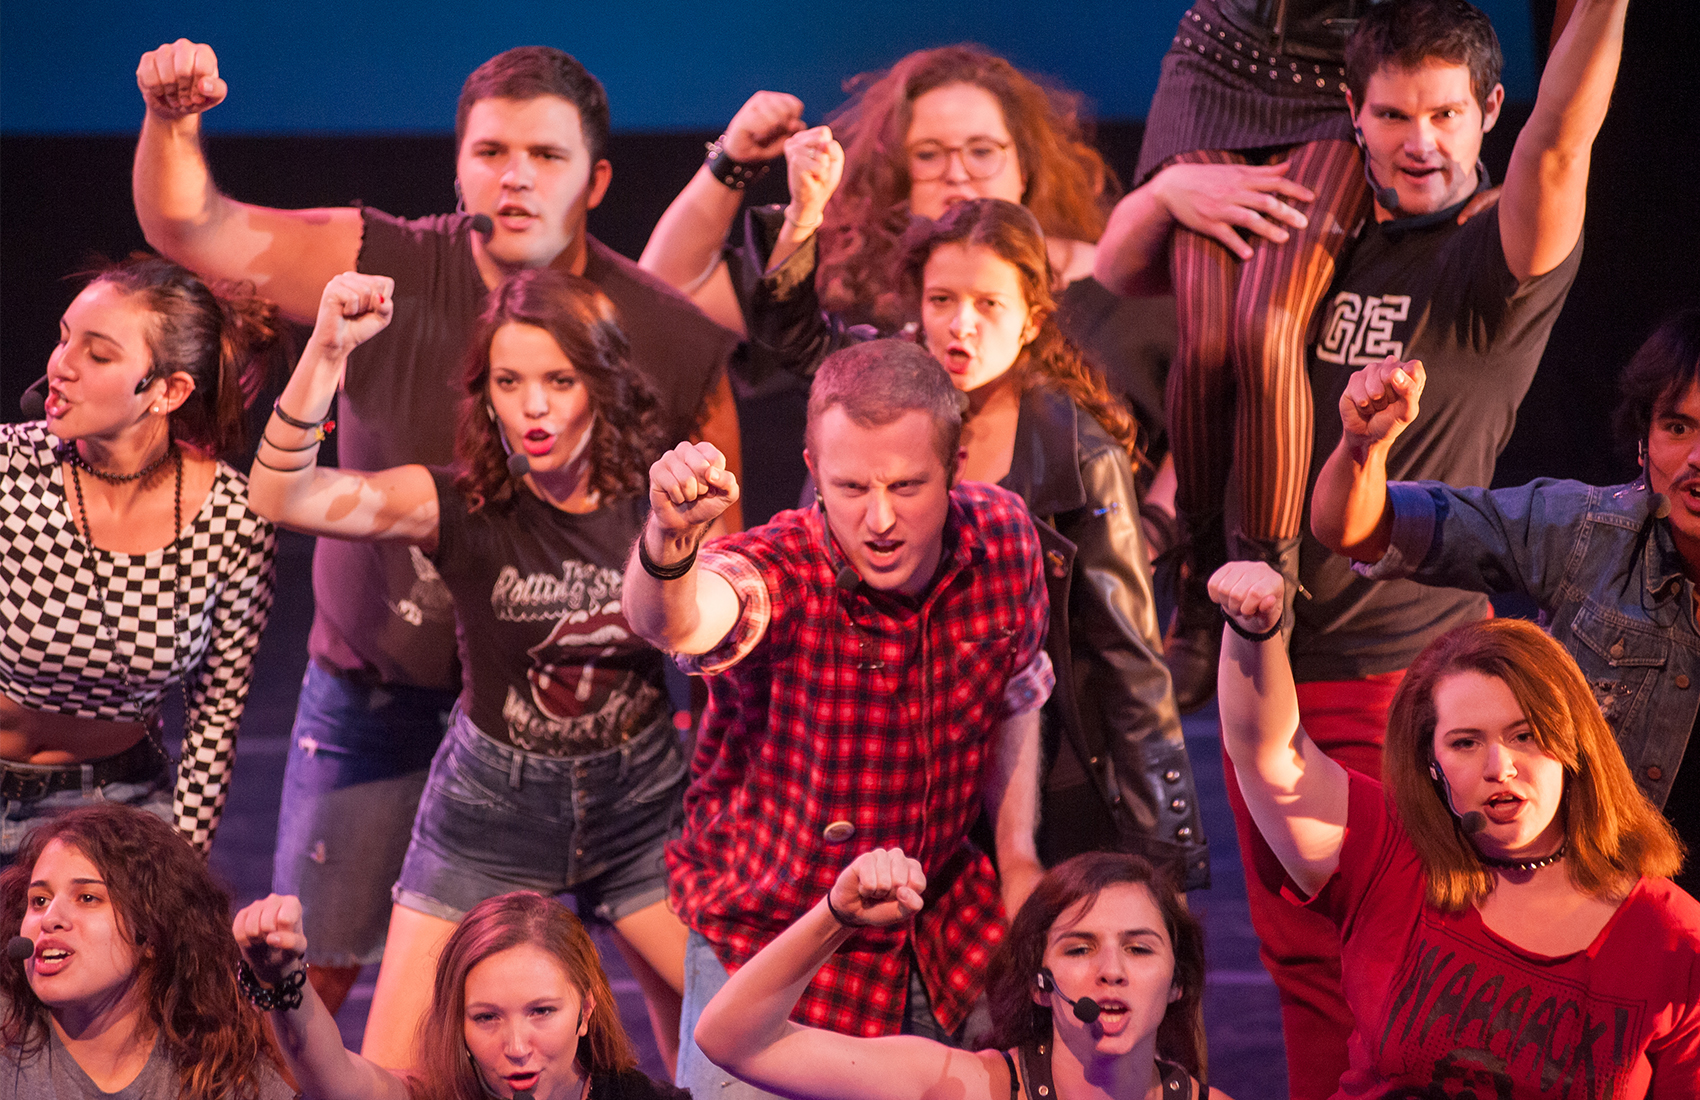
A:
{"x": 1613, "y": 834}
{"x": 166, "y": 901}
{"x": 219, "y": 334}
{"x": 1050, "y": 359}
{"x": 626, "y": 435}
{"x": 492, "y": 926}
{"x": 1069, "y": 188}
{"x": 1076, "y": 883}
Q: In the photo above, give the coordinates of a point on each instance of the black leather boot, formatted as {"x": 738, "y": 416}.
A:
{"x": 1193, "y": 641}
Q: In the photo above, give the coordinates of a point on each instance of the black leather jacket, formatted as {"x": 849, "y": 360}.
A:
{"x": 1118, "y": 777}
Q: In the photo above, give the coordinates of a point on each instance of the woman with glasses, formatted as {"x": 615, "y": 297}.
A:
{"x": 940, "y": 126}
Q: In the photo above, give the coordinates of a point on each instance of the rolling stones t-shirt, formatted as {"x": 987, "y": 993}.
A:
{"x": 548, "y": 662}
{"x": 1443, "y": 1007}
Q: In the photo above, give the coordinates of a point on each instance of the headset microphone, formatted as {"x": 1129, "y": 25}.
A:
{"x": 483, "y": 226}
{"x": 1086, "y": 1010}
{"x": 20, "y": 948}
{"x": 518, "y": 466}
{"x": 523, "y": 1094}
{"x": 847, "y": 579}
{"x": 1474, "y": 821}
{"x": 33, "y": 403}
{"x": 1388, "y": 197}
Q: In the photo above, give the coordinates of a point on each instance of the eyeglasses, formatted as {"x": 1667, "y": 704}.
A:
{"x": 982, "y": 159}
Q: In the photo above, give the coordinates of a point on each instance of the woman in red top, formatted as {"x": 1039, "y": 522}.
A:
{"x": 1499, "y": 911}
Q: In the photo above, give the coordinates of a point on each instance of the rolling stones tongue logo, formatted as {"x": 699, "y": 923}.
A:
{"x": 584, "y": 602}
{"x": 560, "y": 698}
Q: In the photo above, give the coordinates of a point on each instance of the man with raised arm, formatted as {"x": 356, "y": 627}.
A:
{"x": 531, "y": 134}
{"x": 875, "y": 667}
{"x": 1474, "y": 300}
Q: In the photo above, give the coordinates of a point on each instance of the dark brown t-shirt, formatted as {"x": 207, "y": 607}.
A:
{"x": 381, "y": 611}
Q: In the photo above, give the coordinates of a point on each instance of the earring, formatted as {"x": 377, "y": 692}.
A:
{"x": 460, "y": 199}
{"x": 158, "y": 409}
{"x": 490, "y": 411}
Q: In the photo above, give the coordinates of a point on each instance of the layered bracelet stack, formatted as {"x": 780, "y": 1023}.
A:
{"x": 664, "y": 572}
{"x": 284, "y": 996}
{"x": 321, "y": 430}
{"x": 736, "y": 174}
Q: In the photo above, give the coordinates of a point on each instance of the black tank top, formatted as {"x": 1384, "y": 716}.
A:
{"x": 1036, "y": 1065}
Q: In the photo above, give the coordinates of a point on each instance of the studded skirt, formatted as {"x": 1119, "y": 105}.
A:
{"x": 1223, "y": 88}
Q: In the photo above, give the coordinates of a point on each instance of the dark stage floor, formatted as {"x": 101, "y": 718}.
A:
{"x": 1240, "y": 1005}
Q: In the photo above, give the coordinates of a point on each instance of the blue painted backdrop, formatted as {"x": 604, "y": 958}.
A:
{"x": 354, "y": 66}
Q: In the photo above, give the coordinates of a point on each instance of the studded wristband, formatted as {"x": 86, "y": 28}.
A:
{"x": 736, "y": 174}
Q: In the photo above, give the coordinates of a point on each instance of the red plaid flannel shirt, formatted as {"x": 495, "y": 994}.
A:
{"x": 869, "y": 708}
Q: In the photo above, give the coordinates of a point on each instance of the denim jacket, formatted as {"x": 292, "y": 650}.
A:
{"x": 1600, "y": 562}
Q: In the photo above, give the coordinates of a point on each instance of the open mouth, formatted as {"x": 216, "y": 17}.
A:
{"x": 882, "y": 549}
{"x": 538, "y": 442}
{"x": 957, "y": 359}
{"x": 50, "y": 960}
{"x": 514, "y": 217}
{"x": 1503, "y": 808}
{"x": 518, "y": 1081}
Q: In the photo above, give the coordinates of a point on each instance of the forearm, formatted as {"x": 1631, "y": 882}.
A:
{"x": 311, "y": 1046}
{"x": 752, "y": 1011}
{"x": 176, "y": 202}
{"x": 685, "y": 244}
{"x": 1132, "y": 257}
{"x": 1012, "y": 803}
{"x": 1349, "y": 511}
{"x": 1259, "y": 706}
{"x": 665, "y": 613}
{"x": 285, "y": 473}
{"x": 1577, "y": 82}
{"x": 798, "y": 227}
{"x": 1546, "y": 182}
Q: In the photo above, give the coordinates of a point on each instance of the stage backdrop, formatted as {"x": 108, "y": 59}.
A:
{"x": 341, "y": 66}
{"x": 333, "y": 103}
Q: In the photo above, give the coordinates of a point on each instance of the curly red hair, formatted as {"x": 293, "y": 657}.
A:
{"x": 1068, "y": 186}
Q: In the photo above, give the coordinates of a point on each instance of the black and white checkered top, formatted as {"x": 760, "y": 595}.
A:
{"x": 94, "y": 633}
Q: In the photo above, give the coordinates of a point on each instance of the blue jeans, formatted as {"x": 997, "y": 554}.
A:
{"x": 358, "y": 758}
{"x": 495, "y": 819}
{"x": 18, "y": 818}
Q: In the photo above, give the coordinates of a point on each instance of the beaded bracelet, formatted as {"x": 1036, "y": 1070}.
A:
{"x": 285, "y": 995}
{"x": 736, "y": 174}
{"x": 1248, "y": 635}
{"x": 664, "y": 572}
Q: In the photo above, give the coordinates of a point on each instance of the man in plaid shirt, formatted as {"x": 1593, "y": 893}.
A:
{"x": 875, "y": 669}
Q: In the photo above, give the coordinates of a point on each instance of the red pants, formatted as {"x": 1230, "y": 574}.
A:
{"x": 1348, "y": 720}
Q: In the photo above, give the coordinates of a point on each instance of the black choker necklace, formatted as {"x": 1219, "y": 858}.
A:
{"x": 70, "y": 454}
{"x": 1522, "y": 864}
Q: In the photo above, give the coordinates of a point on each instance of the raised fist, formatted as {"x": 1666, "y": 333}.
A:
{"x": 180, "y": 79}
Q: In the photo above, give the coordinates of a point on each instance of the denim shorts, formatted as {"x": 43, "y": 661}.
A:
{"x": 358, "y": 757}
{"x": 496, "y": 819}
{"x": 18, "y": 818}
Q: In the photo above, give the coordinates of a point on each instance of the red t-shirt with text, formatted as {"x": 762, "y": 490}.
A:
{"x": 1444, "y": 1007}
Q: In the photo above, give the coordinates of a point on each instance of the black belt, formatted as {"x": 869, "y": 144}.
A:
{"x": 26, "y": 782}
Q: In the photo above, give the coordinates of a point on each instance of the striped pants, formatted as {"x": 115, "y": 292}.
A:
{"x": 1238, "y": 386}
